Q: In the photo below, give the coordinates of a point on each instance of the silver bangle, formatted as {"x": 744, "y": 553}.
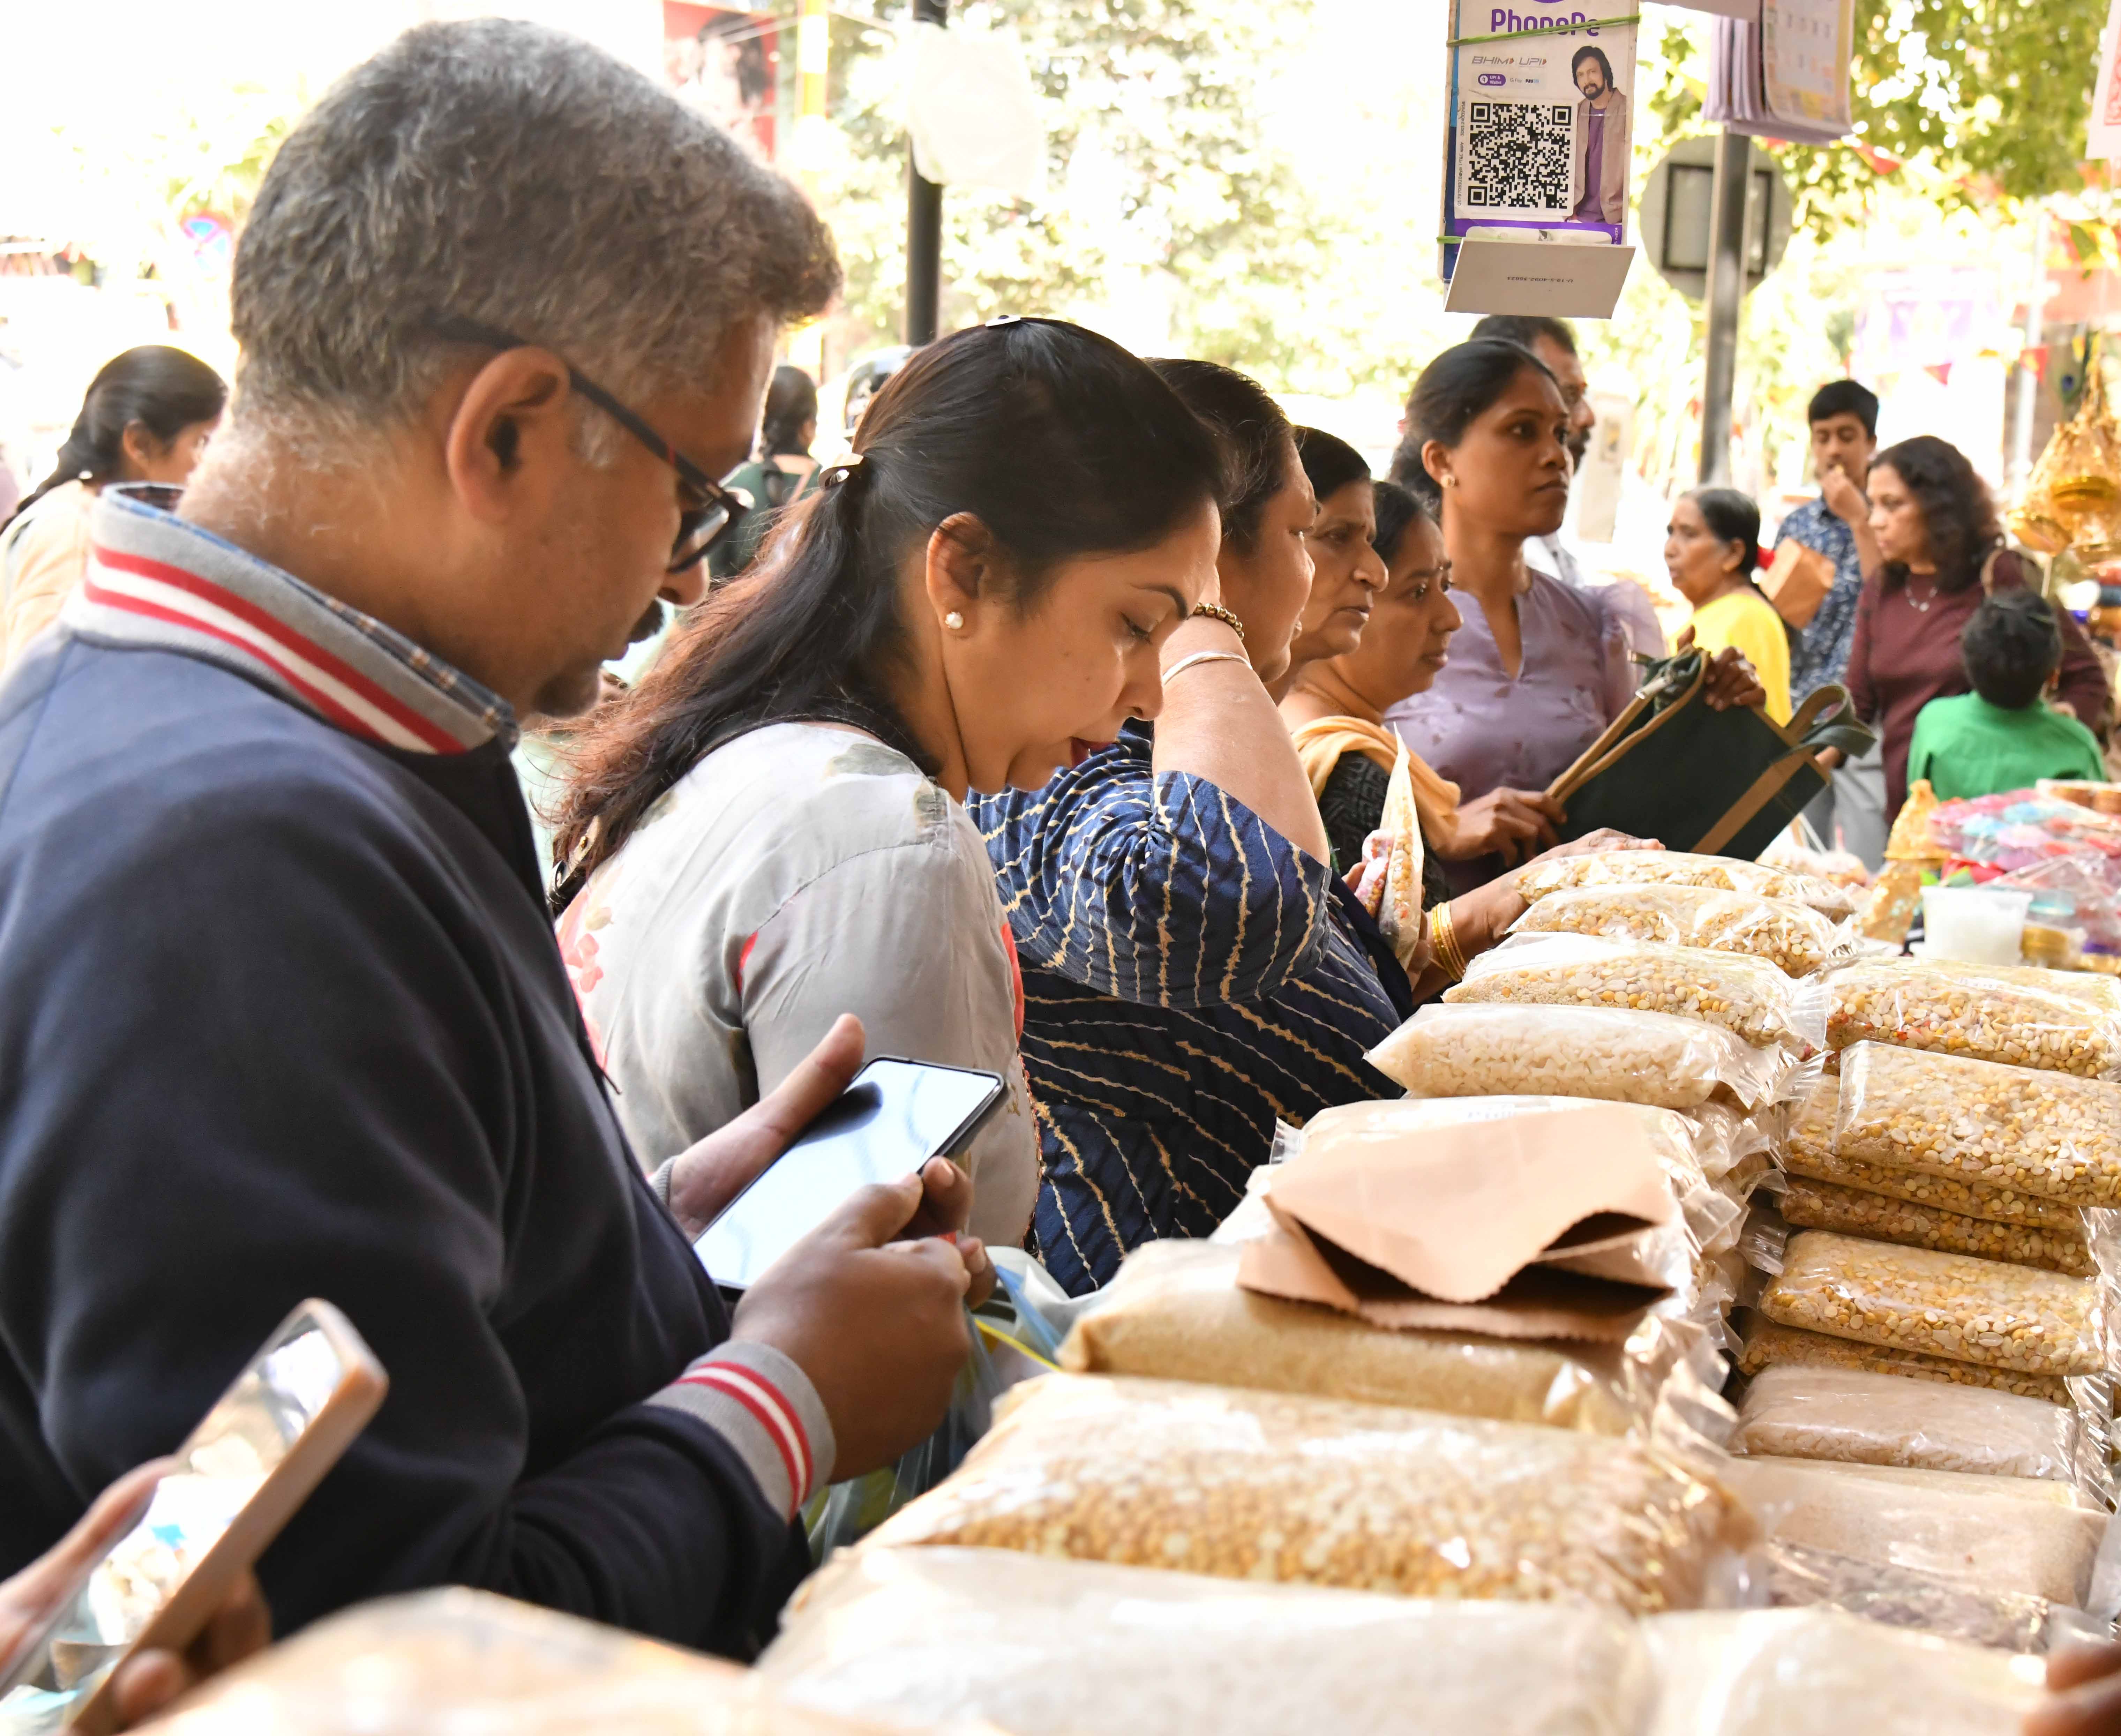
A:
{"x": 1184, "y": 664}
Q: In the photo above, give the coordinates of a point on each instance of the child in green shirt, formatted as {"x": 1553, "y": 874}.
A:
{"x": 2003, "y": 735}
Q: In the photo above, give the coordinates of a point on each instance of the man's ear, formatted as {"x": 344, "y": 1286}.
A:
{"x": 506, "y": 431}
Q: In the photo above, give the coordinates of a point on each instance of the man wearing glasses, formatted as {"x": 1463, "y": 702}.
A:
{"x": 280, "y": 1012}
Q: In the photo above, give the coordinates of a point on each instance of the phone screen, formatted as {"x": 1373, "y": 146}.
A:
{"x": 243, "y": 1440}
{"x": 896, "y": 1116}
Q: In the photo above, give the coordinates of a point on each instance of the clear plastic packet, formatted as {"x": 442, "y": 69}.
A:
{"x": 1809, "y": 1204}
{"x": 1812, "y": 1149}
{"x": 1747, "y": 996}
{"x": 1768, "y": 1344}
{"x": 453, "y": 1662}
{"x": 2089, "y": 986}
{"x": 1273, "y": 1487}
{"x": 1984, "y": 1016}
{"x": 1176, "y": 1312}
{"x": 1041, "y": 1647}
{"x": 1971, "y": 1483}
{"x": 2016, "y": 1128}
{"x": 1609, "y": 1052}
{"x": 1853, "y": 1415}
{"x": 1792, "y": 936}
{"x": 1679, "y": 868}
{"x": 1963, "y": 1533}
{"x": 1901, "y": 1597}
{"x": 1942, "y": 1304}
{"x": 1825, "y": 1672}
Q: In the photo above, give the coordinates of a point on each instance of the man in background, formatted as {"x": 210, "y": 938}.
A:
{"x": 1555, "y": 344}
{"x": 1601, "y": 139}
{"x": 1843, "y": 418}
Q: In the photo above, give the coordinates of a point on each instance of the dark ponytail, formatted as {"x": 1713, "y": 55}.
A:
{"x": 1454, "y": 391}
{"x": 1254, "y": 437}
{"x": 1060, "y": 442}
{"x": 165, "y": 390}
{"x": 1732, "y": 517}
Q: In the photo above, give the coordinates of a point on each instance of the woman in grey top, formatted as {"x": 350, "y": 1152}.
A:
{"x": 772, "y": 821}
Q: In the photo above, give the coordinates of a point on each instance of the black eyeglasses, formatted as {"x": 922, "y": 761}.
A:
{"x": 709, "y": 509}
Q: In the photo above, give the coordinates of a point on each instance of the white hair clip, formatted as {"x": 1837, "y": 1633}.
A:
{"x": 1004, "y": 320}
{"x": 840, "y": 470}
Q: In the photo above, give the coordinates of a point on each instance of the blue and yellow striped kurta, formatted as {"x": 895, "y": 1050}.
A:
{"x": 1189, "y": 978}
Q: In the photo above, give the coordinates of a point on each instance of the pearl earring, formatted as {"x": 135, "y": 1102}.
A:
{"x": 954, "y": 621}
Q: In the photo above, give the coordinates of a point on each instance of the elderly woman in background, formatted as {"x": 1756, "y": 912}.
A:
{"x": 1346, "y": 574}
{"x": 1193, "y": 969}
{"x": 1712, "y": 547}
{"x": 1335, "y": 712}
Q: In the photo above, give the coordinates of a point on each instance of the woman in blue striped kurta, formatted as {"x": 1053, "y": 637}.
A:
{"x": 1193, "y": 970}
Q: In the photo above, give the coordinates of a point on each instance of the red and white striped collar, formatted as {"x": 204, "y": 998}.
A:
{"x": 156, "y": 581}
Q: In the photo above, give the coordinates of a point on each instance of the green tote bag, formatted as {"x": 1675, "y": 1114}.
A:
{"x": 1719, "y": 783}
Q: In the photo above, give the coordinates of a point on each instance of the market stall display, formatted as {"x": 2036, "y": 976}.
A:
{"x": 1979, "y": 1015}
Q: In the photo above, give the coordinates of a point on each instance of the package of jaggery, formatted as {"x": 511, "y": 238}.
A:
{"x": 1275, "y": 1488}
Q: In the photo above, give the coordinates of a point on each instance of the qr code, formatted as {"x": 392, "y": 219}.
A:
{"x": 1518, "y": 158}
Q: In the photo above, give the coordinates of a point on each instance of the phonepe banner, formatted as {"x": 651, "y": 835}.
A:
{"x": 1540, "y": 140}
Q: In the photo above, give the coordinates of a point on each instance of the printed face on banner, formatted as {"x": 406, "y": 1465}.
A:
{"x": 1539, "y": 141}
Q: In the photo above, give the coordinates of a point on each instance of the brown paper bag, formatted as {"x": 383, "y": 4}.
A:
{"x": 1797, "y": 582}
{"x": 1556, "y": 1225}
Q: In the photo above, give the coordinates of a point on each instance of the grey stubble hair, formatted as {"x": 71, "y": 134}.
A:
{"x": 511, "y": 174}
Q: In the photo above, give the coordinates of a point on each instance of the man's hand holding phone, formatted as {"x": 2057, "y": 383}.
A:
{"x": 877, "y": 1321}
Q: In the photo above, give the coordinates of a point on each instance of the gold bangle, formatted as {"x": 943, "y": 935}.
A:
{"x": 1216, "y": 612}
{"x": 1445, "y": 940}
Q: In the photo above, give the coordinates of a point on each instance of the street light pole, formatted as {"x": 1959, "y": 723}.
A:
{"x": 924, "y": 224}
{"x": 1727, "y": 289}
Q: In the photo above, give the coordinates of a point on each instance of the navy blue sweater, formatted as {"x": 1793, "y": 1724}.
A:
{"x": 281, "y": 1015}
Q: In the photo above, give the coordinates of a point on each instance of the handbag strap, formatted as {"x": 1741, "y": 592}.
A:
{"x": 1670, "y": 689}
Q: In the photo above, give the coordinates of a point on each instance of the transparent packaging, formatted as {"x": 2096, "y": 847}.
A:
{"x": 1039, "y": 1647}
{"x": 1679, "y": 868}
{"x": 1980, "y": 1015}
{"x": 1824, "y": 1673}
{"x": 1902, "y": 1597}
{"x": 1864, "y": 1418}
{"x": 1963, "y": 1532}
{"x": 1747, "y": 996}
{"x": 1176, "y": 1312}
{"x": 1809, "y": 1204}
{"x": 1813, "y": 1150}
{"x": 1273, "y": 1487}
{"x": 2014, "y": 1128}
{"x": 1942, "y": 1304}
{"x": 1768, "y": 1344}
{"x": 1795, "y": 938}
{"x": 1609, "y": 1052}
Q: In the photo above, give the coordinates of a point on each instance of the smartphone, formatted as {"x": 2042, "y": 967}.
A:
{"x": 265, "y": 1445}
{"x": 896, "y": 1116}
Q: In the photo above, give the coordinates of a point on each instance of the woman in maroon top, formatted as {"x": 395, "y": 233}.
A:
{"x": 1936, "y": 529}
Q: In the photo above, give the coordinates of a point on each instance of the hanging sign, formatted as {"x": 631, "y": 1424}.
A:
{"x": 2105, "y": 140}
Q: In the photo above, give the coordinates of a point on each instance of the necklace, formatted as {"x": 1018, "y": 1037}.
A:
{"x": 1924, "y": 607}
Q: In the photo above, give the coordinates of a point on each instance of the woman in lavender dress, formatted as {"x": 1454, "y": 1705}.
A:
{"x": 1539, "y": 669}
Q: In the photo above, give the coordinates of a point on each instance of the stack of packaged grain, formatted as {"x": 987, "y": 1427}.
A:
{"x": 1930, "y": 1398}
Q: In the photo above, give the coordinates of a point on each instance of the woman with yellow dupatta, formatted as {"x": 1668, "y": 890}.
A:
{"x": 1334, "y": 709}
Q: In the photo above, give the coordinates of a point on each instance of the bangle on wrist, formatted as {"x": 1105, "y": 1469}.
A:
{"x": 1216, "y": 612}
{"x": 1444, "y": 938}
{"x": 1184, "y": 664}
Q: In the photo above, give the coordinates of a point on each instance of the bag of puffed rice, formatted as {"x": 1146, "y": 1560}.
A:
{"x": 1889, "y": 1419}
{"x": 1792, "y": 936}
{"x": 1678, "y": 868}
{"x": 1943, "y": 1304}
{"x": 1176, "y": 1312}
{"x": 1768, "y": 1344}
{"x": 1039, "y": 1647}
{"x": 1615, "y": 1053}
{"x": 1807, "y": 1204}
{"x": 1750, "y": 998}
{"x": 1813, "y": 1150}
{"x": 2022, "y": 1130}
{"x": 1976, "y": 1016}
{"x": 1271, "y": 1486}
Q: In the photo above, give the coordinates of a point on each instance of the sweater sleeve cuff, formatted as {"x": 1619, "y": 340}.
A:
{"x": 660, "y": 1180}
{"x": 764, "y": 1406}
